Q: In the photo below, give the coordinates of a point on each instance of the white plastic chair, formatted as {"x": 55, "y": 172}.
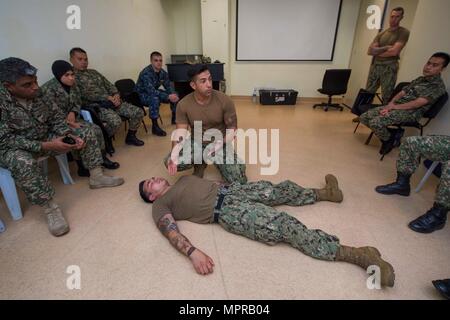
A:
{"x": 8, "y": 186}
{"x": 427, "y": 175}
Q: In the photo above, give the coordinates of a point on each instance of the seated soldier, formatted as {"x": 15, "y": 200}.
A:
{"x": 96, "y": 89}
{"x": 435, "y": 148}
{"x": 408, "y": 105}
{"x": 152, "y": 95}
{"x": 30, "y": 127}
{"x": 63, "y": 91}
{"x": 246, "y": 209}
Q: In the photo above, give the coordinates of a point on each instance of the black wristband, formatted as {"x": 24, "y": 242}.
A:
{"x": 191, "y": 249}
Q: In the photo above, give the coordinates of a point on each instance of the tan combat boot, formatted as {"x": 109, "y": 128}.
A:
{"x": 331, "y": 192}
{"x": 99, "y": 180}
{"x": 57, "y": 224}
{"x": 365, "y": 257}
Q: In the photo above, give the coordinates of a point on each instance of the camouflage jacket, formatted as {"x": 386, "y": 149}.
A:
{"x": 24, "y": 128}
{"x": 68, "y": 102}
{"x": 430, "y": 88}
{"x": 94, "y": 86}
{"x": 149, "y": 83}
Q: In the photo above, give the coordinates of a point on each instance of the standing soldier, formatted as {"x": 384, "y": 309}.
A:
{"x": 149, "y": 89}
{"x": 31, "y": 127}
{"x": 63, "y": 92}
{"x": 96, "y": 89}
{"x": 385, "y": 49}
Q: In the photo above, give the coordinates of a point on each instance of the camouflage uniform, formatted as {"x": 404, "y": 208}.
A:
{"x": 148, "y": 86}
{"x": 95, "y": 89}
{"x": 430, "y": 88}
{"x": 23, "y": 129}
{"x": 232, "y": 172}
{"x": 247, "y": 211}
{"x": 70, "y": 102}
{"x": 435, "y": 148}
{"x": 384, "y": 74}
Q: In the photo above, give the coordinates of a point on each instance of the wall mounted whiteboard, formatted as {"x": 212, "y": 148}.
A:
{"x": 289, "y": 30}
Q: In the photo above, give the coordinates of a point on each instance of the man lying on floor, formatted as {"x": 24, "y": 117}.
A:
{"x": 246, "y": 209}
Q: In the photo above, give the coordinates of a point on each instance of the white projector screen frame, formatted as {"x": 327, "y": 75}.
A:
{"x": 286, "y": 30}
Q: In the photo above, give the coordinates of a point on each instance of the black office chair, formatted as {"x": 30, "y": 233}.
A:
{"x": 334, "y": 83}
{"x": 128, "y": 94}
{"x": 364, "y": 107}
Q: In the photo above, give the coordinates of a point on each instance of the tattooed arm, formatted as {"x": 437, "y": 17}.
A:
{"x": 201, "y": 262}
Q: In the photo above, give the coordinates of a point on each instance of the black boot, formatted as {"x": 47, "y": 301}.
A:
{"x": 398, "y": 137}
{"x": 400, "y": 186}
{"x": 82, "y": 171}
{"x": 443, "y": 286}
{"x": 174, "y": 117}
{"x": 109, "y": 147}
{"x": 387, "y": 146}
{"x": 131, "y": 139}
{"x": 156, "y": 130}
{"x": 108, "y": 164}
{"x": 433, "y": 220}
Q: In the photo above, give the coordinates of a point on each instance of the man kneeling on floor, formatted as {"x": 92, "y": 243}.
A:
{"x": 246, "y": 209}
{"x": 31, "y": 127}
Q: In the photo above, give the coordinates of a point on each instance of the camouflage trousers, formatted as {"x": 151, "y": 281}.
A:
{"x": 29, "y": 176}
{"x": 379, "y": 124}
{"x": 435, "y": 148}
{"x": 113, "y": 120}
{"x": 384, "y": 75}
{"x": 155, "y": 105}
{"x": 231, "y": 167}
{"x": 247, "y": 211}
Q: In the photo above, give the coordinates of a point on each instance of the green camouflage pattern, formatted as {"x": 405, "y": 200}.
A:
{"x": 232, "y": 172}
{"x": 384, "y": 75}
{"x": 434, "y": 148}
{"x": 70, "y": 102}
{"x": 430, "y": 88}
{"x": 23, "y": 129}
{"x": 95, "y": 88}
{"x": 247, "y": 211}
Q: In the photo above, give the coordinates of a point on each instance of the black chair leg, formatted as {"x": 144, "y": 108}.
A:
{"x": 145, "y": 127}
{"x": 369, "y": 138}
{"x": 356, "y": 127}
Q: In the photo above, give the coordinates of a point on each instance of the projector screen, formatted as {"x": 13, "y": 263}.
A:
{"x": 290, "y": 30}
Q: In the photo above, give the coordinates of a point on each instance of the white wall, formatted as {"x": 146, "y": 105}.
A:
{"x": 306, "y": 77}
{"x": 117, "y": 34}
{"x": 185, "y": 19}
{"x": 429, "y": 34}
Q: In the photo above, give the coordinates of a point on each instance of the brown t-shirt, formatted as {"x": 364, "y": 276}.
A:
{"x": 389, "y": 38}
{"x": 190, "y": 198}
{"x": 219, "y": 113}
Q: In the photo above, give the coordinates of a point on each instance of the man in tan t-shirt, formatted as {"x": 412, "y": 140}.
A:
{"x": 247, "y": 210}
{"x": 386, "y": 49}
{"x": 203, "y": 111}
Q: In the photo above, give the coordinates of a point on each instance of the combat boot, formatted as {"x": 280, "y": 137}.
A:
{"x": 57, "y": 224}
{"x": 443, "y": 286}
{"x": 108, "y": 164}
{"x": 131, "y": 139}
{"x": 331, "y": 192}
{"x": 156, "y": 130}
{"x": 99, "y": 180}
{"x": 434, "y": 219}
{"x": 365, "y": 257}
{"x": 82, "y": 171}
{"x": 400, "y": 186}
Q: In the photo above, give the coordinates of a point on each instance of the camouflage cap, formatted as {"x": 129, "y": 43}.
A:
{"x": 12, "y": 69}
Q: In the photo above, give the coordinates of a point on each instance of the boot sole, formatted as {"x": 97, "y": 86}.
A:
{"x": 61, "y": 233}
{"x": 440, "y": 227}
{"x": 404, "y": 194}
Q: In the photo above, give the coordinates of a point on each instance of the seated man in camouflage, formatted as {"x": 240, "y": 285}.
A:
{"x": 148, "y": 86}
{"x": 246, "y": 209}
{"x": 31, "y": 127}
{"x": 63, "y": 92}
{"x": 408, "y": 105}
{"x": 96, "y": 89}
{"x": 435, "y": 148}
